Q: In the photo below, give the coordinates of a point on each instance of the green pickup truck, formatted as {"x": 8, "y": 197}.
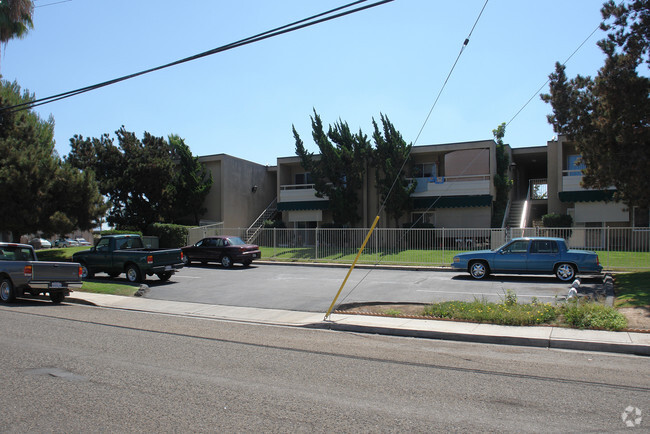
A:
{"x": 117, "y": 254}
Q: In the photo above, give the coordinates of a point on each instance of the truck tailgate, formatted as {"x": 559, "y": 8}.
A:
{"x": 166, "y": 257}
{"x": 55, "y": 271}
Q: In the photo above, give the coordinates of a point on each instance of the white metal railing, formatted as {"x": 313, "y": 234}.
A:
{"x": 257, "y": 225}
{"x": 617, "y": 248}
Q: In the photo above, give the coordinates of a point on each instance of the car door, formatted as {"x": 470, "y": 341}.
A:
{"x": 543, "y": 256}
{"x": 198, "y": 251}
{"x": 101, "y": 257}
{"x": 512, "y": 257}
{"x": 218, "y": 248}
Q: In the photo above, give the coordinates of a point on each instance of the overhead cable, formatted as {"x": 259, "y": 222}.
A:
{"x": 297, "y": 25}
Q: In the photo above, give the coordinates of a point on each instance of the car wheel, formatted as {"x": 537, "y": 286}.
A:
{"x": 7, "y": 293}
{"x": 133, "y": 274}
{"x": 226, "y": 261}
{"x": 164, "y": 276}
{"x": 186, "y": 260}
{"x": 57, "y": 297}
{"x": 565, "y": 272}
{"x": 478, "y": 269}
{"x": 85, "y": 272}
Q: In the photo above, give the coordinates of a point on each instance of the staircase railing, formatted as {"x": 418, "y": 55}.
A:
{"x": 254, "y": 229}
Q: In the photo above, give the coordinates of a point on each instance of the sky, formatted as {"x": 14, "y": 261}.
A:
{"x": 392, "y": 59}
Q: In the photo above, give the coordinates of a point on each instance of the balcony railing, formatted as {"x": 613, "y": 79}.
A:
{"x": 298, "y": 193}
{"x": 452, "y": 185}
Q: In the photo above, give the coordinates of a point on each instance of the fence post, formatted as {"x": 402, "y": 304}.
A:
{"x": 443, "y": 245}
{"x": 316, "y": 235}
{"x": 608, "y": 238}
{"x": 274, "y": 240}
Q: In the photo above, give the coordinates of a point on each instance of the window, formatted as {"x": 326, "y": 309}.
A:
{"x": 517, "y": 247}
{"x": 102, "y": 245}
{"x": 543, "y": 246}
{"x": 303, "y": 178}
{"x": 641, "y": 217}
{"x": 575, "y": 165}
{"x": 424, "y": 170}
{"x": 423, "y": 217}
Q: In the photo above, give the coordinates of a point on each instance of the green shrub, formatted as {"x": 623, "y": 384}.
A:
{"x": 277, "y": 224}
{"x": 120, "y": 232}
{"x": 169, "y": 236}
{"x": 557, "y": 221}
{"x": 593, "y": 315}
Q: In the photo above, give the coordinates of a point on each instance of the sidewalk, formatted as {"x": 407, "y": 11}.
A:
{"x": 545, "y": 337}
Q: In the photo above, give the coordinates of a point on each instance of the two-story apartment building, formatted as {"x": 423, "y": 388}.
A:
{"x": 454, "y": 189}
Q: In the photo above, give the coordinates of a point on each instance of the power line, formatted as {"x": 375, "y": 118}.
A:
{"x": 297, "y": 25}
{"x": 548, "y": 79}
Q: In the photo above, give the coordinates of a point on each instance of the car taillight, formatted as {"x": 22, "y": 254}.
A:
{"x": 81, "y": 271}
{"x": 181, "y": 256}
{"x": 28, "y": 271}
{"x": 150, "y": 259}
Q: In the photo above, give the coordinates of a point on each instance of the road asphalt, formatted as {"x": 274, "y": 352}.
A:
{"x": 626, "y": 342}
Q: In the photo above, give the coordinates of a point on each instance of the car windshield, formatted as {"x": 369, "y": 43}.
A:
{"x": 236, "y": 241}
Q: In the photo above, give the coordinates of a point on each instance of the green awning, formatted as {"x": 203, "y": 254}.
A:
{"x": 452, "y": 201}
{"x": 586, "y": 196}
{"x": 304, "y": 205}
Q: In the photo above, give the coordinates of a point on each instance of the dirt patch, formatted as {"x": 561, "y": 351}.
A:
{"x": 637, "y": 317}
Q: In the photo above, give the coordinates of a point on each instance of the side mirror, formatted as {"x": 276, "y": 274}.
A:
{"x": 93, "y": 249}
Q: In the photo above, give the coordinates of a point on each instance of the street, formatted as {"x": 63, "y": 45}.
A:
{"x": 312, "y": 288}
{"x": 73, "y": 368}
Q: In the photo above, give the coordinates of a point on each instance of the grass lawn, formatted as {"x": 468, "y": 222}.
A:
{"x": 109, "y": 288}
{"x": 61, "y": 255}
{"x": 632, "y": 289}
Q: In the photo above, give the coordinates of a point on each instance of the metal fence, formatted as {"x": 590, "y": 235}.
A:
{"x": 617, "y": 248}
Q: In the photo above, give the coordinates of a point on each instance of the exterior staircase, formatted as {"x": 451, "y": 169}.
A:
{"x": 256, "y": 227}
{"x": 516, "y": 211}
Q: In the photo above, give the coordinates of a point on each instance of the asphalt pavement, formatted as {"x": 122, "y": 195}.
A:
{"x": 538, "y": 336}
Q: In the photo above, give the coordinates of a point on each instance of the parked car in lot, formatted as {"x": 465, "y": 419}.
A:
{"x": 40, "y": 243}
{"x": 534, "y": 255}
{"x": 65, "y": 242}
{"x": 22, "y": 273}
{"x": 226, "y": 250}
{"x": 82, "y": 242}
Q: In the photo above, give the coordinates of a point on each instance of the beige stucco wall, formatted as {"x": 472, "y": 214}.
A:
{"x": 478, "y": 217}
{"x": 231, "y": 199}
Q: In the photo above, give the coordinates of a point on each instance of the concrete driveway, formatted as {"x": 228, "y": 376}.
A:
{"x": 312, "y": 288}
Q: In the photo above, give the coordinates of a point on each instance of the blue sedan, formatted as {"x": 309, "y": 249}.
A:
{"x": 534, "y": 255}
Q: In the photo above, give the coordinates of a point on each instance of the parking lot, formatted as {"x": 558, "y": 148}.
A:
{"x": 312, "y": 288}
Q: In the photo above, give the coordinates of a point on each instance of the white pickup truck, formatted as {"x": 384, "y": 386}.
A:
{"x": 22, "y": 273}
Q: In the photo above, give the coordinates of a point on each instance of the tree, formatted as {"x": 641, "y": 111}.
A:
{"x": 39, "y": 192}
{"x": 15, "y": 19}
{"x": 146, "y": 182}
{"x": 390, "y": 156}
{"x": 191, "y": 183}
{"x": 606, "y": 118}
{"x": 502, "y": 182}
{"x": 340, "y": 170}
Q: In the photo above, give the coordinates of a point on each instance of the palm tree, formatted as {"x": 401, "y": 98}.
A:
{"x": 15, "y": 19}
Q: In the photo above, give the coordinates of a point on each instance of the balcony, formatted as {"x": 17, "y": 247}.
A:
{"x": 298, "y": 193}
{"x": 571, "y": 180}
{"x": 470, "y": 185}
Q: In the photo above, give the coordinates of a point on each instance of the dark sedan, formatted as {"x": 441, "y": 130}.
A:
{"x": 225, "y": 249}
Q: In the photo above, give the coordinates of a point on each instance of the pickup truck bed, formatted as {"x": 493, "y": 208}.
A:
{"x": 21, "y": 273}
